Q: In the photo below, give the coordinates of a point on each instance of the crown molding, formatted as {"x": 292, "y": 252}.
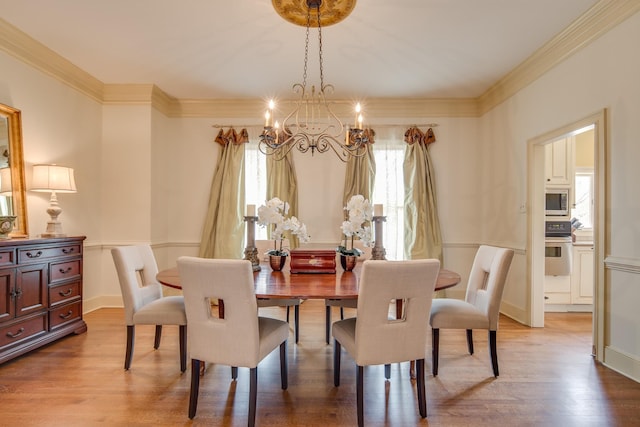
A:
{"x": 32, "y": 52}
{"x": 602, "y": 17}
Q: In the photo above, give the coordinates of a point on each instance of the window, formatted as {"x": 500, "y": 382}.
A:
{"x": 583, "y": 210}
{"x": 388, "y": 189}
{"x": 255, "y": 180}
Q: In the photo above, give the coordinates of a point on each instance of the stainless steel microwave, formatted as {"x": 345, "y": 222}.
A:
{"x": 557, "y": 201}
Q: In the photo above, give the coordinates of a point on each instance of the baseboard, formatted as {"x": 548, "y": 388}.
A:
{"x": 516, "y": 313}
{"x": 568, "y": 308}
{"x": 623, "y": 363}
{"x": 96, "y": 303}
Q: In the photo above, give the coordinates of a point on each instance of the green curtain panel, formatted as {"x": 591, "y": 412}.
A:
{"x": 283, "y": 184}
{"x": 422, "y": 238}
{"x": 223, "y": 231}
{"x": 361, "y": 172}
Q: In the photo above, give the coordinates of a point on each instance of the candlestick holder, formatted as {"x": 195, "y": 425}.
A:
{"x": 250, "y": 251}
{"x": 378, "y": 251}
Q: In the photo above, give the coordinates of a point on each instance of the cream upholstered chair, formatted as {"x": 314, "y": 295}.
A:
{"x": 372, "y": 338}
{"x": 143, "y": 300}
{"x": 481, "y": 307}
{"x": 263, "y": 246}
{"x": 241, "y": 338}
{"x": 343, "y": 303}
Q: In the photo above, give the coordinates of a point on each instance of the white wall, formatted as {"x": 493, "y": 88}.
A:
{"x": 603, "y": 75}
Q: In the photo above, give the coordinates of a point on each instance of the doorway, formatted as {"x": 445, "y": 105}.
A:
{"x": 536, "y": 183}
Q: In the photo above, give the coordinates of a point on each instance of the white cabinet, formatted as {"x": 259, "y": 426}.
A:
{"x": 582, "y": 275}
{"x": 559, "y": 161}
{"x": 557, "y": 289}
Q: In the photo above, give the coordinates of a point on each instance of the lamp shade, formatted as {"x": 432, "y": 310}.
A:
{"x": 5, "y": 182}
{"x": 52, "y": 178}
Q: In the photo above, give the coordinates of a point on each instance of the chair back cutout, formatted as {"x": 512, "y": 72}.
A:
{"x": 234, "y": 339}
{"x": 383, "y": 339}
{"x": 137, "y": 269}
{"x": 487, "y": 280}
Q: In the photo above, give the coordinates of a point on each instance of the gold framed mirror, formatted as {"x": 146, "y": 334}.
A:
{"x": 12, "y": 190}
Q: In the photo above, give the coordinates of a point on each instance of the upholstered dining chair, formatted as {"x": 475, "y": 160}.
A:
{"x": 144, "y": 303}
{"x": 481, "y": 306}
{"x": 263, "y": 246}
{"x": 241, "y": 338}
{"x": 372, "y": 337}
{"x": 343, "y": 303}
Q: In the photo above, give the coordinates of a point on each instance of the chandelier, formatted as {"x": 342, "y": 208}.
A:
{"x": 312, "y": 125}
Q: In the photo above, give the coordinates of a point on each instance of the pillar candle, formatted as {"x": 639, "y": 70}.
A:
{"x": 377, "y": 210}
{"x": 251, "y": 210}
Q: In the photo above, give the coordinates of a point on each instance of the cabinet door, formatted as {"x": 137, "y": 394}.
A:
{"x": 31, "y": 288}
{"x": 559, "y": 162}
{"x": 582, "y": 277}
{"x": 7, "y": 283}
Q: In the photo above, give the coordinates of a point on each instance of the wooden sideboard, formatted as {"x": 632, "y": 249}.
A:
{"x": 40, "y": 293}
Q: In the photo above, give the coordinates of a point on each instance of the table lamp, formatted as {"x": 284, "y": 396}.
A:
{"x": 53, "y": 179}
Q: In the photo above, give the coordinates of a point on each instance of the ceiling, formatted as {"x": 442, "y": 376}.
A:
{"x": 242, "y": 49}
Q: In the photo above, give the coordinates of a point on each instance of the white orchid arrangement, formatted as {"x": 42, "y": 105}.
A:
{"x": 274, "y": 212}
{"x": 359, "y": 212}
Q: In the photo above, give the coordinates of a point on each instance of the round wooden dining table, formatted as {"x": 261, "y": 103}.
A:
{"x": 284, "y": 284}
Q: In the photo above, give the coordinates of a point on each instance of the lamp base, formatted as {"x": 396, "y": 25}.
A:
{"x": 54, "y": 229}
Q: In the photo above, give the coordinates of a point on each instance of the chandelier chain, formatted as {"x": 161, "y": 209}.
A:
{"x": 306, "y": 51}
{"x": 320, "y": 51}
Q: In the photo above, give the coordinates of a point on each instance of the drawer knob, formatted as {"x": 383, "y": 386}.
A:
{"x": 67, "y": 250}
{"x": 65, "y": 270}
{"x": 17, "y": 334}
{"x": 36, "y": 255}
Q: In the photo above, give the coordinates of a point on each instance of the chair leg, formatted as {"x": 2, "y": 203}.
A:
{"x": 341, "y": 313}
{"x": 387, "y": 371}
{"x": 328, "y": 322}
{"x": 470, "y": 340}
{"x": 288, "y": 313}
{"x": 493, "y": 349}
{"x": 131, "y": 335}
{"x": 435, "y": 343}
{"x": 253, "y": 395}
{"x": 183, "y": 347}
{"x": 422, "y": 393}
{"x": 296, "y": 321}
{"x": 336, "y": 363}
{"x": 195, "y": 386}
{"x": 156, "y": 341}
{"x": 360, "y": 394}
{"x": 284, "y": 375}
{"x": 234, "y": 373}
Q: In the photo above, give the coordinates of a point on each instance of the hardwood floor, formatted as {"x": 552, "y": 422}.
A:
{"x": 547, "y": 378}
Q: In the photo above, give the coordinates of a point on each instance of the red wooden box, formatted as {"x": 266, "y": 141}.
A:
{"x": 313, "y": 261}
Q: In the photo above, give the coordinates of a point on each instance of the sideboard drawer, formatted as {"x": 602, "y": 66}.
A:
{"x": 67, "y": 292}
{"x": 64, "y": 271}
{"x": 10, "y": 335}
{"x": 65, "y": 314}
{"x": 7, "y": 257}
{"x": 42, "y": 253}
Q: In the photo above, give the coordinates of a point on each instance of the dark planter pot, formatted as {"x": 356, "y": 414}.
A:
{"x": 276, "y": 262}
{"x": 348, "y": 262}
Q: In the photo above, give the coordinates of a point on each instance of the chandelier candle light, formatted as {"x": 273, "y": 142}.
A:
{"x": 312, "y": 125}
